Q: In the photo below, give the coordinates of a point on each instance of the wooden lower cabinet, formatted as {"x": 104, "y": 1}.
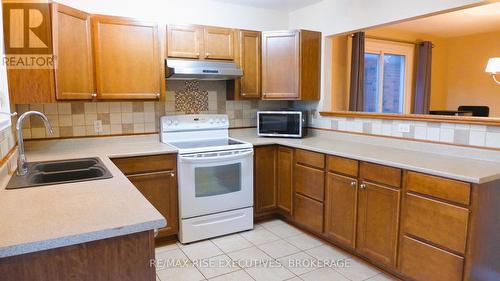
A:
{"x": 308, "y": 213}
{"x": 341, "y": 208}
{"x": 285, "y": 179}
{"x": 122, "y": 258}
{"x": 265, "y": 175}
{"x": 155, "y": 177}
{"x": 378, "y": 221}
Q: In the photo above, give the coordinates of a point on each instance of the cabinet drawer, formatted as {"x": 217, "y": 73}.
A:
{"x": 421, "y": 261}
{"x": 380, "y": 174}
{"x": 446, "y": 189}
{"x": 309, "y": 158}
{"x": 145, "y": 164}
{"x": 344, "y": 166}
{"x": 310, "y": 182}
{"x": 308, "y": 212}
{"x": 437, "y": 222}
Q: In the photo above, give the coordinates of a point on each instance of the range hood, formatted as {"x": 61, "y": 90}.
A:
{"x": 176, "y": 69}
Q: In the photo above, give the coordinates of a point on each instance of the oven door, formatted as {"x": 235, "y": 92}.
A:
{"x": 214, "y": 182}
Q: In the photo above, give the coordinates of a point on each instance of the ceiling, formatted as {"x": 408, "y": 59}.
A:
{"x": 479, "y": 19}
{"x": 282, "y": 5}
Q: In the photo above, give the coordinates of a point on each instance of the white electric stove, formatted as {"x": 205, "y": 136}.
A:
{"x": 215, "y": 176}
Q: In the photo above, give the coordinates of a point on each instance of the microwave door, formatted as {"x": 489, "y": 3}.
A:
{"x": 276, "y": 124}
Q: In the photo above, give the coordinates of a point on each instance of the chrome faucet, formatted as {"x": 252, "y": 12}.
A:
{"x": 22, "y": 168}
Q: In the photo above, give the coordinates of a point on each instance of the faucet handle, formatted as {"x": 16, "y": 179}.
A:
{"x": 11, "y": 114}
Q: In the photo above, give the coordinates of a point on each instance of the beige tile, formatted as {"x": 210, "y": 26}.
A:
{"x": 79, "y": 131}
{"x": 89, "y": 131}
{"x": 36, "y": 107}
{"x": 127, "y": 129}
{"x": 90, "y": 118}
{"x": 323, "y": 274}
{"x": 115, "y": 118}
{"x": 104, "y": 117}
{"x": 50, "y": 108}
{"x": 259, "y": 236}
{"x": 36, "y": 122}
{"x": 138, "y": 117}
{"x": 299, "y": 263}
{"x": 231, "y": 243}
{"x": 149, "y": 106}
{"x": 115, "y": 107}
{"x": 239, "y": 275}
{"x": 127, "y": 118}
{"x": 149, "y": 127}
{"x": 116, "y": 129}
{"x": 37, "y": 133}
{"x": 65, "y": 120}
{"x": 138, "y": 106}
{"x": 138, "y": 128}
{"x": 90, "y": 107}
{"x": 149, "y": 117}
{"x": 64, "y": 108}
{"x": 77, "y": 108}
{"x": 66, "y": 131}
{"x": 304, "y": 241}
{"x": 284, "y": 230}
{"x": 53, "y": 119}
{"x": 126, "y": 106}
{"x": 357, "y": 270}
{"x": 27, "y": 133}
{"x": 249, "y": 257}
{"x": 184, "y": 273}
{"x": 22, "y": 108}
{"x": 106, "y": 130}
{"x": 269, "y": 273}
{"x": 201, "y": 250}
{"x": 78, "y": 119}
{"x": 278, "y": 249}
{"x": 55, "y": 133}
{"x": 216, "y": 266}
{"x": 102, "y": 107}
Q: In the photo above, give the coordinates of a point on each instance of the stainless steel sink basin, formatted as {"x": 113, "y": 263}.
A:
{"x": 62, "y": 171}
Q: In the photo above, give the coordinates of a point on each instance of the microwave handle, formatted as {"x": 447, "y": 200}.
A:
{"x": 184, "y": 158}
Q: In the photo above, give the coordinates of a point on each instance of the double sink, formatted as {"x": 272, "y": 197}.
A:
{"x": 59, "y": 172}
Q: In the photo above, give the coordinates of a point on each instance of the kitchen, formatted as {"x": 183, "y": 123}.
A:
{"x": 234, "y": 137}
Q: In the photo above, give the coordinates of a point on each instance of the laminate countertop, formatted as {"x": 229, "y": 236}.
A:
{"x": 52, "y": 216}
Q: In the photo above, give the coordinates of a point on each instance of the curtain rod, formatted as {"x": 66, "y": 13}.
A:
{"x": 393, "y": 40}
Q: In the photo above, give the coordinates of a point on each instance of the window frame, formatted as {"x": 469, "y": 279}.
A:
{"x": 381, "y": 47}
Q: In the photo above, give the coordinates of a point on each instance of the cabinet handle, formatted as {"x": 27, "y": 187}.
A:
{"x": 157, "y": 95}
{"x": 243, "y": 94}
{"x": 362, "y": 186}
{"x": 353, "y": 184}
{"x": 172, "y": 174}
{"x": 94, "y": 95}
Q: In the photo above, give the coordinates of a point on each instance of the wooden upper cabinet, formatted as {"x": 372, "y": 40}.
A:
{"x": 291, "y": 65}
{"x": 250, "y": 63}
{"x": 184, "y": 41}
{"x": 73, "y": 49}
{"x": 341, "y": 208}
{"x": 127, "y": 58}
{"x": 218, "y": 43}
{"x": 378, "y": 221}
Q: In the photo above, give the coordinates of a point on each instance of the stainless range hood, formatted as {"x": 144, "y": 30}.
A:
{"x": 176, "y": 69}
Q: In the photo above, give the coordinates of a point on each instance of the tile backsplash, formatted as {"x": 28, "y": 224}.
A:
{"x": 74, "y": 119}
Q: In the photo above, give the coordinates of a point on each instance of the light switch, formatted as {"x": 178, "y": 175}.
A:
{"x": 98, "y": 126}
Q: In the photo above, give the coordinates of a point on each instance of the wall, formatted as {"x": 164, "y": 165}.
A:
{"x": 205, "y": 12}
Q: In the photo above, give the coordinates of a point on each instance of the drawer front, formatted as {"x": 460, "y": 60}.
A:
{"x": 437, "y": 222}
{"x": 146, "y": 164}
{"x": 455, "y": 191}
{"x": 308, "y": 212}
{"x": 380, "y": 174}
{"x": 423, "y": 262}
{"x": 309, "y": 158}
{"x": 343, "y": 166}
{"x": 309, "y": 182}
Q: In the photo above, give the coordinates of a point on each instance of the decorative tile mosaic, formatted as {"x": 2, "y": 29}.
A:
{"x": 191, "y": 99}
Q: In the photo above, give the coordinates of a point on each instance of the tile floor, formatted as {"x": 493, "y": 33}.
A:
{"x": 271, "y": 251}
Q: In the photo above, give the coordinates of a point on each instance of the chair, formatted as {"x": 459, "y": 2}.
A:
{"x": 482, "y": 111}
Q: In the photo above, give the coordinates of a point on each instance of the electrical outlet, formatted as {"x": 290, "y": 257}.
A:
{"x": 98, "y": 126}
{"x": 314, "y": 113}
{"x": 404, "y": 128}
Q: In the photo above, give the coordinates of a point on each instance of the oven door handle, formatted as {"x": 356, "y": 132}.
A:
{"x": 189, "y": 158}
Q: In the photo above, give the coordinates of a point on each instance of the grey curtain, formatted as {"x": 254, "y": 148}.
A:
{"x": 422, "y": 98}
{"x": 356, "y": 94}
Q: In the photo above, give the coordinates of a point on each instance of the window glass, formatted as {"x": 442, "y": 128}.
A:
{"x": 394, "y": 79}
{"x": 371, "y": 96}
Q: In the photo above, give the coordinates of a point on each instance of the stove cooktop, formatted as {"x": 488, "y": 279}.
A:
{"x": 208, "y": 145}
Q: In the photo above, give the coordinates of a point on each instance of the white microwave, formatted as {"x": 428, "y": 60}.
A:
{"x": 287, "y": 123}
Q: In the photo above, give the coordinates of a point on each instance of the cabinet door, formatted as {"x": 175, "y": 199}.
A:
{"x": 250, "y": 58}
{"x": 160, "y": 188}
{"x": 340, "y": 208}
{"x": 127, "y": 58}
{"x": 265, "y": 178}
{"x": 280, "y": 65}
{"x": 378, "y": 219}
{"x": 285, "y": 167}
{"x": 73, "y": 49}
{"x": 184, "y": 41}
{"x": 308, "y": 213}
{"x": 218, "y": 43}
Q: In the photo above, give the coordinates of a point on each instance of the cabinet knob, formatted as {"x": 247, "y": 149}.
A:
{"x": 172, "y": 174}
{"x": 157, "y": 95}
{"x": 354, "y": 183}
{"x": 243, "y": 94}
{"x": 362, "y": 186}
{"x": 94, "y": 95}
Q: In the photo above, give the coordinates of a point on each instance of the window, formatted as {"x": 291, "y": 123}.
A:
{"x": 388, "y": 76}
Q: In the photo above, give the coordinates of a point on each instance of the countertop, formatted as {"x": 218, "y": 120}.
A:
{"x": 46, "y": 217}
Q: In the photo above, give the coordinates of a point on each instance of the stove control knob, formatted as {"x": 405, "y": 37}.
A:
{"x": 211, "y": 121}
{"x": 176, "y": 122}
{"x": 169, "y": 122}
